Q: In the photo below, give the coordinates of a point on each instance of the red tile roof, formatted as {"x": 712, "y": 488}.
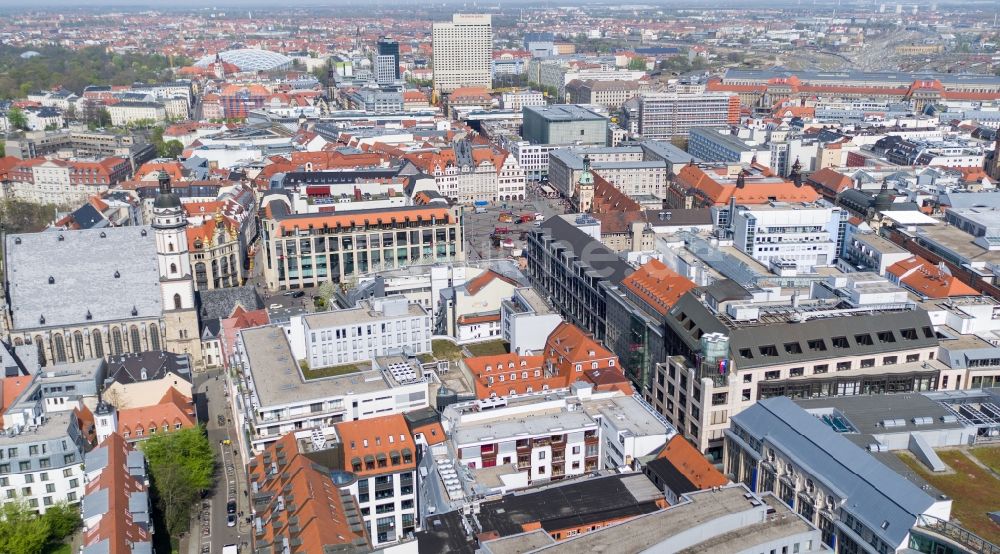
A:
{"x": 657, "y": 285}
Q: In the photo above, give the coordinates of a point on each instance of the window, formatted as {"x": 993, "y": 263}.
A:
{"x": 771, "y": 375}
{"x": 95, "y": 338}
{"x": 769, "y": 350}
{"x": 154, "y": 337}
{"x": 840, "y": 342}
{"x": 928, "y": 333}
{"x": 796, "y": 371}
{"x": 867, "y": 362}
{"x": 843, "y": 366}
{"x": 908, "y": 334}
{"x": 746, "y": 353}
{"x": 541, "y": 455}
{"x": 885, "y": 337}
{"x": 177, "y": 301}
{"x": 864, "y": 339}
{"x": 793, "y": 348}
{"x": 136, "y": 339}
{"x": 59, "y": 347}
{"x": 889, "y": 360}
{"x": 821, "y": 368}
{"x": 816, "y": 345}
{"x": 913, "y": 358}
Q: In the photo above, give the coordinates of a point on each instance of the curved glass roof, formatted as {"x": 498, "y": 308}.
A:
{"x": 249, "y": 59}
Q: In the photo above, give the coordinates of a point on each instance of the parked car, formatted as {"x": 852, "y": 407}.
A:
{"x": 231, "y": 507}
{"x": 231, "y": 520}
{"x": 298, "y": 294}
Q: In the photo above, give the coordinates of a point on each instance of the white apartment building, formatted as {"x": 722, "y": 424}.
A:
{"x": 279, "y": 397}
{"x": 42, "y": 447}
{"x": 788, "y": 238}
{"x": 526, "y": 320}
{"x": 376, "y": 327}
{"x": 463, "y": 52}
{"x": 124, "y": 113}
{"x": 533, "y": 158}
{"x": 518, "y": 99}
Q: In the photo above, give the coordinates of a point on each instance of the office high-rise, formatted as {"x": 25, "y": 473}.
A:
{"x": 462, "y": 52}
{"x": 386, "y": 61}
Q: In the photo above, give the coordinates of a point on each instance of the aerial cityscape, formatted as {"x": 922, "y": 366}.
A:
{"x": 500, "y": 278}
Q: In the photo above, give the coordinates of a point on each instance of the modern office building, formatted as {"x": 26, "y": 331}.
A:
{"x": 858, "y": 503}
{"x": 526, "y": 320}
{"x": 374, "y": 328}
{"x": 281, "y": 397}
{"x": 463, "y": 52}
{"x": 386, "y": 66}
{"x": 567, "y": 124}
{"x": 304, "y": 250}
{"x": 789, "y": 238}
{"x": 664, "y": 115}
{"x": 850, "y": 335}
{"x": 716, "y": 144}
{"x": 574, "y": 270}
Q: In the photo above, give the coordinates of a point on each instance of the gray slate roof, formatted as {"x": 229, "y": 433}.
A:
{"x": 128, "y": 368}
{"x": 783, "y": 336}
{"x": 82, "y": 266}
{"x": 220, "y": 303}
{"x": 874, "y": 493}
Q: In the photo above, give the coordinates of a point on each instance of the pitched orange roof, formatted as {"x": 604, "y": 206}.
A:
{"x": 657, "y": 285}
{"x": 116, "y": 525}
{"x": 474, "y": 286}
{"x": 10, "y": 389}
{"x": 172, "y": 410}
{"x": 757, "y": 190}
{"x": 692, "y": 464}
{"x": 378, "y": 445}
{"x": 831, "y": 180}
{"x": 433, "y": 433}
{"x": 319, "y": 509}
{"x": 928, "y": 280}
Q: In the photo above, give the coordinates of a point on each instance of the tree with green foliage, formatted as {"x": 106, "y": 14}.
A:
{"x": 22, "y": 531}
{"x": 171, "y": 149}
{"x": 17, "y": 119}
{"x": 181, "y": 464}
{"x": 637, "y": 64}
{"x": 25, "y": 217}
{"x": 3, "y": 149}
{"x": 63, "y": 519}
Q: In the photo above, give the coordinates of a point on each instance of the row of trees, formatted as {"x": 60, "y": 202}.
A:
{"x": 22, "y": 531}
{"x": 76, "y": 69}
{"x": 181, "y": 465}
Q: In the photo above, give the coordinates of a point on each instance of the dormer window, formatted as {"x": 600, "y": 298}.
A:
{"x": 89, "y": 315}
{"x": 52, "y": 280}
{"x": 117, "y": 275}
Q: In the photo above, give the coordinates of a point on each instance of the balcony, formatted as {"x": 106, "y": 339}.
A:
{"x": 541, "y": 442}
{"x": 951, "y": 532}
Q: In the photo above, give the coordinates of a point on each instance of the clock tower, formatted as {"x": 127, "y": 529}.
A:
{"x": 174, "y": 264}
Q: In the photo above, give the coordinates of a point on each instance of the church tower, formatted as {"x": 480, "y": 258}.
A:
{"x": 585, "y": 188}
{"x": 174, "y": 264}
